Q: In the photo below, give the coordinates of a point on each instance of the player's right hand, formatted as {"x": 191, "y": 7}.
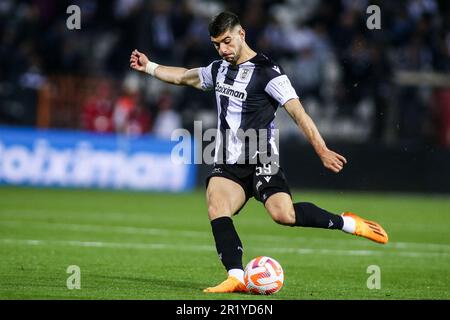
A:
{"x": 138, "y": 60}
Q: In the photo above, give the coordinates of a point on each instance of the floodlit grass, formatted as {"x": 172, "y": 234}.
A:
{"x": 136, "y": 245}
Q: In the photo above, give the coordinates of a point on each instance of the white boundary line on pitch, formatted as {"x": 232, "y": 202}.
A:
{"x": 178, "y": 247}
{"x": 204, "y": 234}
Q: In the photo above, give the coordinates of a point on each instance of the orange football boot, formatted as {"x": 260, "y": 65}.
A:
{"x": 232, "y": 284}
{"x": 368, "y": 229}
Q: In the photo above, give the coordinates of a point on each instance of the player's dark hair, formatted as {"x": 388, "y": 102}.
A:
{"x": 222, "y": 22}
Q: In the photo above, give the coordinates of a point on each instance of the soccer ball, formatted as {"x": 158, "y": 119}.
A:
{"x": 263, "y": 275}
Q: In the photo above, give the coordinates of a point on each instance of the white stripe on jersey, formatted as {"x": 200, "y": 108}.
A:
{"x": 234, "y": 107}
{"x": 220, "y": 75}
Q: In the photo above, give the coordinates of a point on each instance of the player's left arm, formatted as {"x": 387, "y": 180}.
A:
{"x": 330, "y": 159}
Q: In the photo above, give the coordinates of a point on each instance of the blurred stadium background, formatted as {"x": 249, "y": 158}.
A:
{"x": 381, "y": 97}
{"x": 73, "y": 114}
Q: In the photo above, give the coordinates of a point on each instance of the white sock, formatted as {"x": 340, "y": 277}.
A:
{"x": 237, "y": 273}
{"x": 349, "y": 224}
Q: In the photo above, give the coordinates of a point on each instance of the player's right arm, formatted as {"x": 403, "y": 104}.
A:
{"x": 173, "y": 75}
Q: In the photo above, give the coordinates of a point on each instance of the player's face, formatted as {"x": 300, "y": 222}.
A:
{"x": 229, "y": 44}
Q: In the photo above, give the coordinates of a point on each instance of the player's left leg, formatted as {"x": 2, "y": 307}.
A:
{"x": 305, "y": 214}
{"x": 228, "y": 189}
{"x": 224, "y": 198}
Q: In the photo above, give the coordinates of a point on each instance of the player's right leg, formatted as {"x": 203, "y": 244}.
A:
{"x": 305, "y": 214}
{"x": 274, "y": 192}
{"x": 224, "y": 198}
{"x": 364, "y": 228}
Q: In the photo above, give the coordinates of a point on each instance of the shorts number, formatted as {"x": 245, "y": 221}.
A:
{"x": 266, "y": 169}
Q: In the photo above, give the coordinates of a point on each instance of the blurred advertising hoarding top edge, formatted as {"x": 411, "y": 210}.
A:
{"x": 60, "y": 158}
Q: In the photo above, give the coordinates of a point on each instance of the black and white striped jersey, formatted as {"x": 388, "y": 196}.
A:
{"x": 247, "y": 97}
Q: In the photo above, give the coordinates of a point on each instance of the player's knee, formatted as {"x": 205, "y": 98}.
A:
{"x": 212, "y": 211}
{"x": 282, "y": 213}
{"x": 216, "y": 211}
{"x": 284, "y": 219}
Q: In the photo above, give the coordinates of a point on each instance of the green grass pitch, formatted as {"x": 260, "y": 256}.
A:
{"x": 137, "y": 245}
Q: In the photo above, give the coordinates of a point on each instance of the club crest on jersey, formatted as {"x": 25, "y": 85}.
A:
{"x": 245, "y": 73}
{"x": 230, "y": 91}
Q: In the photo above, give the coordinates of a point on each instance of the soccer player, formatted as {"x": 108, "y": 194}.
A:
{"x": 249, "y": 87}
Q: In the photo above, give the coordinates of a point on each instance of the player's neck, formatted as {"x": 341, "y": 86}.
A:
{"x": 246, "y": 54}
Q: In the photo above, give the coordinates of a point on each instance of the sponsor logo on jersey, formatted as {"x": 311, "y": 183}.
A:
{"x": 230, "y": 91}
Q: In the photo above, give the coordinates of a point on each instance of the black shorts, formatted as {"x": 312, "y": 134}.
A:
{"x": 257, "y": 180}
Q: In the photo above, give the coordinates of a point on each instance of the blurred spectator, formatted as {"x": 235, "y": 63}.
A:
{"x": 98, "y": 110}
{"x": 357, "y": 68}
{"x": 167, "y": 120}
{"x": 307, "y": 71}
{"x": 381, "y": 88}
{"x": 159, "y": 31}
{"x": 130, "y": 117}
{"x": 139, "y": 121}
{"x": 273, "y": 39}
{"x": 417, "y": 8}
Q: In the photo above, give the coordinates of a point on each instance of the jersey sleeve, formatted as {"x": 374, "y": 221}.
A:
{"x": 279, "y": 86}
{"x": 206, "y": 78}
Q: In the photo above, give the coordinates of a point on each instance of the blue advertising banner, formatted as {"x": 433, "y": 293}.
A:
{"x": 60, "y": 158}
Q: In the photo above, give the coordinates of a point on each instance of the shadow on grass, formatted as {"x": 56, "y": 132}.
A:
{"x": 164, "y": 283}
{"x": 196, "y": 287}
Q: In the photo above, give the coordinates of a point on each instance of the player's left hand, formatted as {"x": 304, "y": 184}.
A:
{"x": 332, "y": 160}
